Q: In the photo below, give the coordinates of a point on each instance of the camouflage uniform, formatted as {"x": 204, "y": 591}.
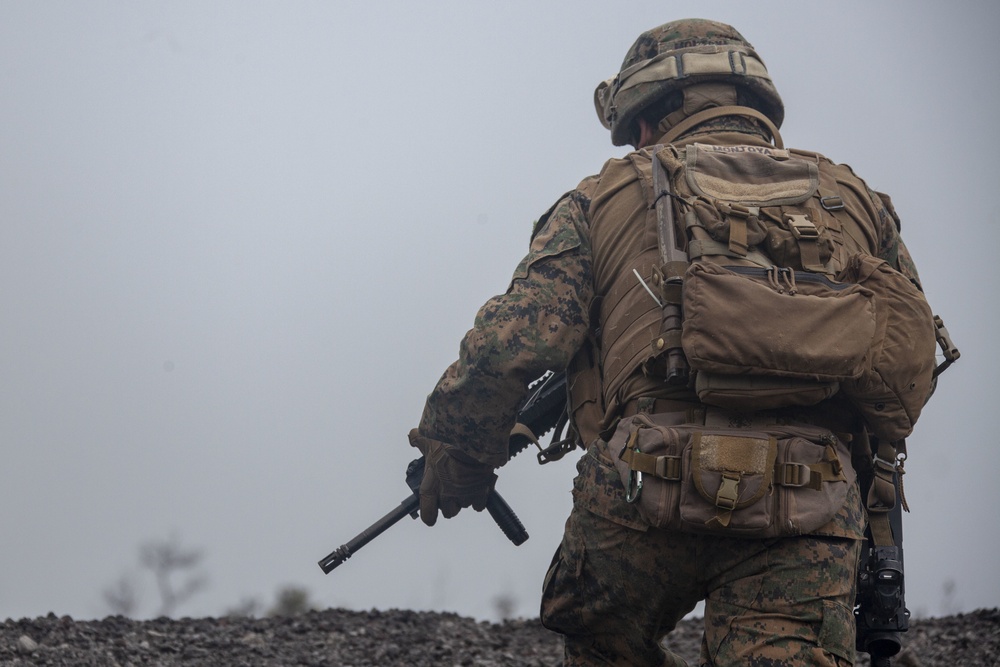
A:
{"x": 617, "y": 586}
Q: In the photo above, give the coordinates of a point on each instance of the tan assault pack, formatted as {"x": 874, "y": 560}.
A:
{"x": 772, "y": 298}
{"x": 783, "y": 302}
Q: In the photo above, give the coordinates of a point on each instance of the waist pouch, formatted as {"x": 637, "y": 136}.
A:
{"x": 768, "y": 338}
{"x": 770, "y": 482}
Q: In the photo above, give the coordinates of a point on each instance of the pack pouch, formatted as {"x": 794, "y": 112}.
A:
{"x": 773, "y": 323}
{"x": 895, "y": 384}
{"x": 768, "y": 482}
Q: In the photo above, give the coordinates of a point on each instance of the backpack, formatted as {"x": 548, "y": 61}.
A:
{"x": 783, "y": 301}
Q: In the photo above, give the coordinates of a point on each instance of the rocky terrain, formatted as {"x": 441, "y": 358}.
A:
{"x": 350, "y": 638}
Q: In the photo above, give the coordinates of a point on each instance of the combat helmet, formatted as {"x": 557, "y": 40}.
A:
{"x": 678, "y": 55}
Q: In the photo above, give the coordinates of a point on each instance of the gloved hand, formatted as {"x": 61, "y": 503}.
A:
{"x": 452, "y": 480}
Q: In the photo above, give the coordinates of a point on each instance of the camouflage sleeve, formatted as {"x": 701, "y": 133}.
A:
{"x": 537, "y": 325}
{"x": 891, "y": 247}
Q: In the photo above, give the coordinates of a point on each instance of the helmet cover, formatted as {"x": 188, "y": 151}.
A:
{"x": 673, "y": 56}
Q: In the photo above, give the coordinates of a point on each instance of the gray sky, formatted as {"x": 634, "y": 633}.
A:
{"x": 241, "y": 241}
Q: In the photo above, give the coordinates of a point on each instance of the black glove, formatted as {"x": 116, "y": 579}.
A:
{"x": 452, "y": 480}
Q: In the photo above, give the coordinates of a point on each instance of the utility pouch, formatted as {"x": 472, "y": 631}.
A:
{"x": 730, "y": 481}
{"x": 773, "y": 323}
{"x": 772, "y": 481}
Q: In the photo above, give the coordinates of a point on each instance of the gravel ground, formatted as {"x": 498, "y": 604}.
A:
{"x": 350, "y": 638}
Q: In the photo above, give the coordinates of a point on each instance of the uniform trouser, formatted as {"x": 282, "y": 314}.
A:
{"x": 614, "y": 592}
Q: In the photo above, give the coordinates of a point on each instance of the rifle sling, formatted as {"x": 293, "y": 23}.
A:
{"x": 882, "y": 491}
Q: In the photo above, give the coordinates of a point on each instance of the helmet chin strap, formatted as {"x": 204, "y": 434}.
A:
{"x": 700, "y": 117}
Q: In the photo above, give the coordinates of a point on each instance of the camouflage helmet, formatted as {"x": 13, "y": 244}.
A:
{"x": 676, "y": 55}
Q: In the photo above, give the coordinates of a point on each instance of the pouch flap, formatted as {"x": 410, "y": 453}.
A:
{"x": 750, "y": 175}
{"x": 732, "y": 471}
{"x": 815, "y": 329}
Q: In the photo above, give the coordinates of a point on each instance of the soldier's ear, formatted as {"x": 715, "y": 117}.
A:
{"x": 643, "y": 133}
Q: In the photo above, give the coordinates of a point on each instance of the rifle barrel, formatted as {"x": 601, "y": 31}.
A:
{"x": 335, "y": 558}
{"x": 497, "y": 506}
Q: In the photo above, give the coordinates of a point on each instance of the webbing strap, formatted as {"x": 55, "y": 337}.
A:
{"x": 881, "y": 530}
{"x": 809, "y": 476}
{"x": 882, "y": 492}
{"x": 791, "y": 474}
{"x": 807, "y": 235}
{"x": 665, "y": 467}
{"x": 700, "y": 247}
{"x": 679, "y": 65}
{"x": 738, "y": 236}
{"x": 706, "y": 61}
{"x": 672, "y": 292}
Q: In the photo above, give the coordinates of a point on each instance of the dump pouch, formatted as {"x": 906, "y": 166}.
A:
{"x": 772, "y": 481}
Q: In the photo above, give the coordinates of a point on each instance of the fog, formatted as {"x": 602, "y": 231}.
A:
{"x": 241, "y": 242}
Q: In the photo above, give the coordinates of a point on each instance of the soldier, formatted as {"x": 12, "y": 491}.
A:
{"x": 587, "y": 298}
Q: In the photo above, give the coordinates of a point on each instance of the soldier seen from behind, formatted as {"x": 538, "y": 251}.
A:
{"x": 743, "y": 334}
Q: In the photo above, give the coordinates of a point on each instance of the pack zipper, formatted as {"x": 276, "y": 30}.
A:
{"x": 778, "y": 276}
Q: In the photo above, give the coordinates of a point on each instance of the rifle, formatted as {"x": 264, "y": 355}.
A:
{"x": 880, "y": 611}
{"x": 545, "y": 409}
